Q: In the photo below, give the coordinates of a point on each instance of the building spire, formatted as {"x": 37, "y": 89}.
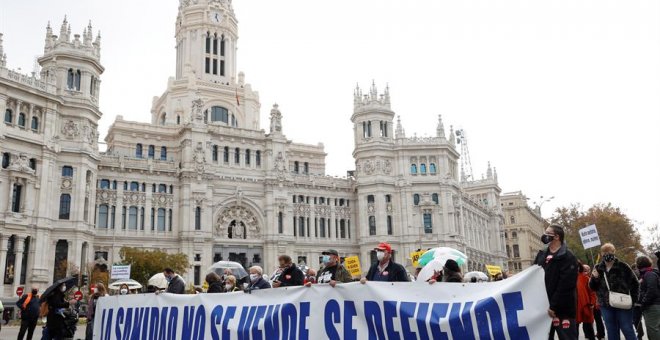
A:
{"x": 63, "y": 31}
{"x": 452, "y": 137}
{"x": 489, "y": 172}
{"x": 440, "y": 131}
{"x": 400, "y": 132}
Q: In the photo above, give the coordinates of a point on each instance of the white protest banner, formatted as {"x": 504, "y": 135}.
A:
{"x": 515, "y": 308}
{"x": 589, "y": 236}
{"x": 121, "y": 272}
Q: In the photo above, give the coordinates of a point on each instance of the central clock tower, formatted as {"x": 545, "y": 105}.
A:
{"x": 206, "y": 35}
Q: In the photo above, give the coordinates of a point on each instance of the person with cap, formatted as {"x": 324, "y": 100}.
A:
{"x": 332, "y": 271}
{"x": 385, "y": 269}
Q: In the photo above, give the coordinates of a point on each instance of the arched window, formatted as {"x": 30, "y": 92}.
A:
{"x": 416, "y": 199}
{"x": 237, "y": 155}
{"x": 171, "y": 189}
{"x": 306, "y": 168}
{"x": 9, "y": 116}
{"x": 225, "y": 156}
{"x": 67, "y": 171}
{"x": 428, "y": 223}
{"x": 5, "y": 159}
{"x": 104, "y": 184}
{"x": 257, "y": 158}
{"x": 370, "y": 199}
{"x": 178, "y": 120}
{"x": 34, "y": 125}
{"x": 247, "y": 157}
{"x": 198, "y": 218}
{"x": 161, "y": 219}
{"x": 21, "y": 119}
{"x": 169, "y": 220}
{"x": 342, "y": 228}
{"x": 132, "y": 218}
{"x": 102, "y": 221}
{"x": 162, "y": 188}
{"x": 219, "y": 114}
{"x": 114, "y": 185}
{"x": 514, "y": 234}
{"x": 70, "y": 79}
{"x": 214, "y": 153}
{"x": 65, "y": 206}
{"x": 138, "y": 150}
{"x": 432, "y": 168}
{"x": 436, "y": 198}
{"x": 372, "y": 225}
{"x": 422, "y": 168}
{"x": 151, "y": 152}
{"x": 77, "y": 80}
{"x": 512, "y": 219}
{"x": 16, "y": 198}
{"x": 163, "y": 118}
{"x": 296, "y": 167}
{"x": 163, "y": 153}
{"x": 413, "y": 169}
{"x": 280, "y": 222}
{"x": 135, "y": 186}
{"x": 390, "y": 228}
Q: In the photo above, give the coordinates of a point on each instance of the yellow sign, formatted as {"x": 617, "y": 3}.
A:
{"x": 493, "y": 270}
{"x": 205, "y": 286}
{"x": 414, "y": 257}
{"x": 352, "y": 264}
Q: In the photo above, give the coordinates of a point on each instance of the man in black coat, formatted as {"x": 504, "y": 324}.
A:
{"x": 29, "y": 306}
{"x": 175, "y": 285}
{"x": 561, "y": 272}
{"x": 291, "y": 275}
{"x": 385, "y": 269}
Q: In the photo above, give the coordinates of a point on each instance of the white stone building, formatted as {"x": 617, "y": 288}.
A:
{"x": 205, "y": 179}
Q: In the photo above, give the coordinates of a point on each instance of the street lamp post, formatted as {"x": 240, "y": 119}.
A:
{"x": 542, "y": 201}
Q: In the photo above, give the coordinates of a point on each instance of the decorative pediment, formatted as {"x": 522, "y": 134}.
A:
{"x": 236, "y": 217}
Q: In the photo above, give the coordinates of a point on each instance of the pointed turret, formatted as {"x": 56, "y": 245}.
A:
{"x": 440, "y": 130}
{"x": 489, "y": 172}
{"x": 64, "y": 37}
{"x": 373, "y": 93}
{"x": 48, "y": 41}
{"x": 495, "y": 174}
{"x": 87, "y": 35}
{"x": 386, "y": 95}
{"x": 452, "y": 137}
{"x": 400, "y": 132}
{"x": 3, "y": 56}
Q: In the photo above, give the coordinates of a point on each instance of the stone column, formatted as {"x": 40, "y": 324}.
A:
{"x": 18, "y": 261}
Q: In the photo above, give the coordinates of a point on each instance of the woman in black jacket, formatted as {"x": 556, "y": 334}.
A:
{"x": 649, "y": 297}
{"x": 215, "y": 283}
{"x": 55, "y": 319}
{"x": 621, "y": 279}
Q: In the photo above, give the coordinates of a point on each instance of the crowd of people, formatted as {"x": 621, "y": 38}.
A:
{"x": 614, "y": 295}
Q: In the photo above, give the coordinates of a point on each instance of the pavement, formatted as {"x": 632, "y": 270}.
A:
{"x": 11, "y": 333}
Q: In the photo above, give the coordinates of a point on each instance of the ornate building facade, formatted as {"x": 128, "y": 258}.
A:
{"x": 203, "y": 178}
{"x": 523, "y": 227}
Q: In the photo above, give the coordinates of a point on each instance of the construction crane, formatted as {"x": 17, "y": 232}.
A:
{"x": 466, "y": 163}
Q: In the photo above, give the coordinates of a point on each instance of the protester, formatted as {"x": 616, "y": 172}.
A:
{"x": 649, "y": 297}
{"x": 598, "y": 319}
{"x": 310, "y": 277}
{"x": 291, "y": 275}
{"x": 55, "y": 326}
{"x": 97, "y": 292}
{"x": 29, "y": 307}
{"x": 561, "y": 273}
{"x": 332, "y": 271}
{"x": 215, "y": 283}
{"x": 256, "y": 279}
{"x": 637, "y": 309}
{"x": 450, "y": 272}
{"x": 612, "y": 275}
{"x": 123, "y": 289}
{"x": 385, "y": 269}
{"x": 230, "y": 284}
{"x": 586, "y": 300}
{"x": 175, "y": 284}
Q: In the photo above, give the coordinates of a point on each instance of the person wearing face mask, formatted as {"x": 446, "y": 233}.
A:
{"x": 97, "y": 292}
{"x": 291, "y": 275}
{"x": 561, "y": 273}
{"x": 175, "y": 284}
{"x": 586, "y": 300}
{"x": 649, "y": 296}
{"x": 29, "y": 306}
{"x": 385, "y": 269}
{"x": 215, "y": 283}
{"x": 332, "y": 271}
{"x": 55, "y": 326}
{"x": 615, "y": 276}
{"x": 256, "y": 279}
{"x": 123, "y": 289}
{"x": 230, "y": 284}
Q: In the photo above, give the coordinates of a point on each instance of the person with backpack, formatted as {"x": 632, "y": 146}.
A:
{"x": 29, "y": 306}
{"x": 649, "y": 296}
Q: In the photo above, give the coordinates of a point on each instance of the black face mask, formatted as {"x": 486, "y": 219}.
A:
{"x": 608, "y": 257}
{"x": 546, "y": 239}
{"x": 35, "y": 292}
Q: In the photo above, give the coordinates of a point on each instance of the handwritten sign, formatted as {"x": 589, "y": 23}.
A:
{"x": 493, "y": 270}
{"x": 121, "y": 272}
{"x": 589, "y": 236}
{"x": 352, "y": 264}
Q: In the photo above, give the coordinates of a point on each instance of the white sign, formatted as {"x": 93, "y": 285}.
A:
{"x": 510, "y": 309}
{"x": 589, "y": 236}
{"x": 121, "y": 272}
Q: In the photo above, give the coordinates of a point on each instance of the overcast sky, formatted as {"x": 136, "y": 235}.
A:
{"x": 561, "y": 96}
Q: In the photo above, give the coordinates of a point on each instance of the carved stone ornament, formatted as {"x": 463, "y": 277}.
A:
{"x": 66, "y": 185}
{"x": 199, "y": 158}
{"x": 237, "y": 214}
{"x": 197, "y": 106}
{"x": 162, "y": 200}
{"x": 387, "y": 167}
{"x": 199, "y": 198}
{"x": 369, "y": 167}
{"x": 106, "y": 196}
{"x": 70, "y": 129}
{"x": 20, "y": 163}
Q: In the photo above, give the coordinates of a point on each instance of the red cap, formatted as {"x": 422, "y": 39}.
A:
{"x": 384, "y": 246}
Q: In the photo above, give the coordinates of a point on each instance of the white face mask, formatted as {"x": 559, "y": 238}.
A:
{"x": 63, "y": 289}
{"x": 254, "y": 277}
{"x": 124, "y": 291}
{"x": 228, "y": 286}
{"x": 380, "y": 255}
{"x": 95, "y": 290}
